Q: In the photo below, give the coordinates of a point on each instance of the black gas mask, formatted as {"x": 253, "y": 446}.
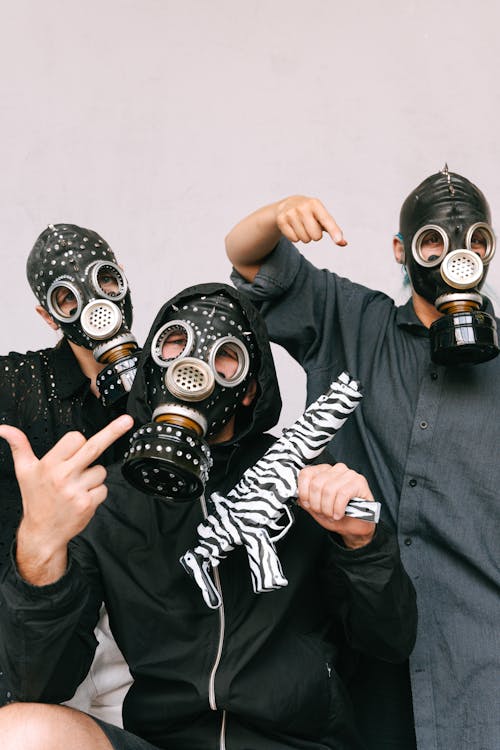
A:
{"x": 446, "y": 229}
{"x": 75, "y": 277}
{"x": 197, "y": 366}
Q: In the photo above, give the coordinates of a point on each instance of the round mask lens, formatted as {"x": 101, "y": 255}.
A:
{"x": 109, "y": 281}
{"x": 173, "y": 340}
{"x": 481, "y": 240}
{"x": 430, "y": 245}
{"x": 64, "y": 301}
{"x": 229, "y": 361}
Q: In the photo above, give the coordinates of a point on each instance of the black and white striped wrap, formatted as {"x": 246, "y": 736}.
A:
{"x": 256, "y": 512}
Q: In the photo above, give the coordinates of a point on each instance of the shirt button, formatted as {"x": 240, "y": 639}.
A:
{"x": 412, "y": 482}
{"x": 408, "y": 541}
{"x": 423, "y": 424}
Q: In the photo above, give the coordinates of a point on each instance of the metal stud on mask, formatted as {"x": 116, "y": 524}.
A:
{"x": 445, "y": 225}
{"x": 197, "y": 374}
{"x": 75, "y": 277}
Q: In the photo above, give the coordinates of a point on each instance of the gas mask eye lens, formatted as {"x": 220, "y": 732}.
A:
{"x": 173, "y": 345}
{"x": 109, "y": 281}
{"x": 64, "y": 301}
{"x": 481, "y": 240}
{"x": 229, "y": 361}
{"x": 429, "y": 246}
{"x": 173, "y": 340}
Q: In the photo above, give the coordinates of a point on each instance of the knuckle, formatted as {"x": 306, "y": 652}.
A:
{"x": 59, "y": 478}
{"x": 76, "y": 437}
{"x": 81, "y": 505}
{"x": 316, "y": 483}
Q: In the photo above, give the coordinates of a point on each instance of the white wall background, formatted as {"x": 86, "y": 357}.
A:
{"x": 160, "y": 123}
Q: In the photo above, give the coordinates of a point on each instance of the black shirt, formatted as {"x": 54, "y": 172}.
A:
{"x": 425, "y": 437}
{"x": 46, "y": 395}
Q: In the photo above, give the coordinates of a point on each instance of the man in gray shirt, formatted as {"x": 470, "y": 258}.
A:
{"x": 424, "y": 437}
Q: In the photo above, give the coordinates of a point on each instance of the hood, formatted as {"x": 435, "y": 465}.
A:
{"x": 265, "y": 410}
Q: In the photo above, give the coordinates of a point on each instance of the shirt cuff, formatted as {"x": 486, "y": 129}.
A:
{"x": 63, "y": 586}
{"x": 383, "y": 541}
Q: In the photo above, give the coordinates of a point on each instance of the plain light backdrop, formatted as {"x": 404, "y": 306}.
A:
{"x": 160, "y": 123}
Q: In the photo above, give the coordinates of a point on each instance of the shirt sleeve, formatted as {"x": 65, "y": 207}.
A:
{"x": 47, "y": 632}
{"x": 373, "y": 595}
{"x": 308, "y": 311}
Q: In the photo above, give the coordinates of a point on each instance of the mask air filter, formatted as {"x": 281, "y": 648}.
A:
{"x": 101, "y": 319}
{"x": 464, "y": 338}
{"x": 168, "y": 460}
{"x": 462, "y": 269}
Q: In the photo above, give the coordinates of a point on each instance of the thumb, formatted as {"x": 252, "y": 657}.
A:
{"x": 20, "y": 446}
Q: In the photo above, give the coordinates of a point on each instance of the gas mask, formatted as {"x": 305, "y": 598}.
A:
{"x": 449, "y": 242}
{"x": 75, "y": 277}
{"x": 200, "y": 359}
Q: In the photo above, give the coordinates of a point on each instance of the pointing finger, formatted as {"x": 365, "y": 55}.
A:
{"x": 66, "y": 447}
{"x": 329, "y": 224}
{"x": 98, "y": 443}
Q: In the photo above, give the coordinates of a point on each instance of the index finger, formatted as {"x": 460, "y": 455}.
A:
{"x": 98, "y": 443}
{"x": 329, "y": 224}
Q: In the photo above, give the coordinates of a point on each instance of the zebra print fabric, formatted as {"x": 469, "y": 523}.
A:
{"x": 256, "y": 511}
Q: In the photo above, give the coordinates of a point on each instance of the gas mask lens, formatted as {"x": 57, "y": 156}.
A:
{"x": 481, "y": 240}
{"x": 429, "y": 245}
{"x": 64, "y": 301}
{"x": 173, "y": 340}
{"x": 229, "y": 361}
{"x": 108, "y": 281}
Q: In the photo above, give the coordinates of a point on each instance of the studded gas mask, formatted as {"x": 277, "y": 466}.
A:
{"x": 75, "y": 277}
{"x": 201, "y": 358}
{"x": 449, "y": 242}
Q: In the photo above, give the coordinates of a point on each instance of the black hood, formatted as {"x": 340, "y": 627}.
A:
{"x": 265, "y": 410}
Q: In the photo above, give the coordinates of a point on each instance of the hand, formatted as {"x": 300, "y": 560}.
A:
{"x": 305, "y": 219}
{"x": 324, "y": 491}
{"x": 60, "y": 493}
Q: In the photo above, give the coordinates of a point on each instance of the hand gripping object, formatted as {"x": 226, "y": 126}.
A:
{"x": 256, "y": 512}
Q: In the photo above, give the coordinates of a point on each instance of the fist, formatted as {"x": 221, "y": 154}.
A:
{"x": 325, "y": 490}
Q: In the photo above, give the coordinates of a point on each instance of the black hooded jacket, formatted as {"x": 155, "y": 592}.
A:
{"x": 261, "y": 672}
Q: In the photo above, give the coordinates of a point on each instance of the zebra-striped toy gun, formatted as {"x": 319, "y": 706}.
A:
{"x": 256, "y": 512}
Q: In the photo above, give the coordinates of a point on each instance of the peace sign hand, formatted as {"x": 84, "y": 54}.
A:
{"x": 60, "y": 493}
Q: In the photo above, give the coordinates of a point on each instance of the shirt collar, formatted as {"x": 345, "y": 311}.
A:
{"x": 406, "y": 318}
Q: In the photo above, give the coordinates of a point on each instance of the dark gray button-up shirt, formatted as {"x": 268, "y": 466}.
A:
{"x": 425, "y": 436}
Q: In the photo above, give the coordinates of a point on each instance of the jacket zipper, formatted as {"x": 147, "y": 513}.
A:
{"x": 222, "y": 622}
{"x": 222, "y": 744}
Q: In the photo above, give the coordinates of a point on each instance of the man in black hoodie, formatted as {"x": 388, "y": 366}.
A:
{"x": 259, "y": 671}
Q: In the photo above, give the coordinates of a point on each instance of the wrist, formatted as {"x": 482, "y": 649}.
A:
{"x": 356, "y": 541}
{"x": 39, "y": 561}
